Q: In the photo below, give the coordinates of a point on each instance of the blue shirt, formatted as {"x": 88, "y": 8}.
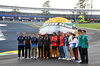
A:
{"x": 20, "y": 39}
{"x": 65, "y": 41}
{"x": 34, "y": 41}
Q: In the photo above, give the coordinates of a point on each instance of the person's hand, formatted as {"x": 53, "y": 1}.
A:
{"x": 88, "y": 46}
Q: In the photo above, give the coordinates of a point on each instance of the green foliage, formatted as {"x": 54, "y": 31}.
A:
{"x": 46, "y": 5}
{"x": 89, "y": 25}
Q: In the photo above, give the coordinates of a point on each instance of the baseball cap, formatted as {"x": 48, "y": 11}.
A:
{"x": 39, "y": 34}
{"x": 58, "y": 31}
{"x": 61, "y": 32}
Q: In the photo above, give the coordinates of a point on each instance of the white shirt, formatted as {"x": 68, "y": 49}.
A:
{"x": 74, "y": 41}
{"x": 70, "y": 39}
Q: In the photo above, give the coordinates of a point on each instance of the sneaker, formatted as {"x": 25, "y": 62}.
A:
{"x": 18, "y": 58}
{"x": 52, "y": 55}
{"x": 55, "y": 55}
{"x": 59, "y": 58}
{"x": 73, "y": 58}
{"x": 31, "y": 57}
{"x": 63, "y": 58}
{"x": 47, "y": 57}
{"x": 44, "y": 58}
{"x": 76, "y": 61}
{"x": 68, "y": 58}
{"x": 79, "y": 61}
{"x": 23, "y": 58}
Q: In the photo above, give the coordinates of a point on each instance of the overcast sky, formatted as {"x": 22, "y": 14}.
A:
{"x": 66, "y": 4}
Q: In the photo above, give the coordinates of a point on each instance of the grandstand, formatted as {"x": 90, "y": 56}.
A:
{"x": 21, "y": 16}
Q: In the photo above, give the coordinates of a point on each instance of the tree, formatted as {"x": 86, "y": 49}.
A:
{"x": 46, "y": 5}
{"x": 83, "y": 4}
{"x": 15, "y": 10}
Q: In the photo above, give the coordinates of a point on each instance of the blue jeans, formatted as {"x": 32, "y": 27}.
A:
{"x": 61, "y": 51}
{"x": 66, "y": 51}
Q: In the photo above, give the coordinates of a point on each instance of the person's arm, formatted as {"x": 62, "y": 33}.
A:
{"x": 17, "y": 42}
{"x": 36, "y": 41}
{"x": 73, "y": 41}
{"x": 24, "y": 40}
{"x": 30, "y": 41}
{"x": 87, "y": 41}
{"x": 51, "y": 39}
{"x": 42, "y": 41}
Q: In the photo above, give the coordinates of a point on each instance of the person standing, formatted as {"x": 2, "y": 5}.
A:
{"x": 27, "y": 43}
{"x": 61, "y": 46}
{"x": 40, "y": 44}
{"x": 65, "y": 47}
{"x": 20, "y": 43}
{"x": 34, "y": 46}
{"x": 85, "y": 45}
{"x": 74, "y": 47}
{"x": 54, "y": 40}
{"x": 80, "y": 43}
{"x": 46, "y": 41}
{"x": 70, "y": 46}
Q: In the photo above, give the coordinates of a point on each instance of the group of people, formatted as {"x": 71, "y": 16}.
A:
{"x": 68, "y": 45}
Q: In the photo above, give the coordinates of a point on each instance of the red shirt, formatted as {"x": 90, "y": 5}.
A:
{"x": 55, "y": 38}
{"x": 61, "y": 41}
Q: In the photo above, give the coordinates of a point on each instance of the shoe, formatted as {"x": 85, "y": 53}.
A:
{"x": 79, "y": 61}
{"x": 31, "y": 57}
{"x": 68, "y": 58}
{"x": 47, "y": 57}
{"x": 59, "y": 58}
{"x": 52, "y": 55}
{"x": 44, "y": 58}
{"x": 76, "y": 61}
{"x": 63, "y": 58}
{"x": 73, "y": 58}
{"x": 85, "y": 62}
{"x": 55, "y": 55}
{"x": 23, "y": 58}
{"x": 18, "y": 58}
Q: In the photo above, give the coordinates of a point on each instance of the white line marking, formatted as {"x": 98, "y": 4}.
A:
{"x": 3, "y": 24}
{"x": 2, "y": 37}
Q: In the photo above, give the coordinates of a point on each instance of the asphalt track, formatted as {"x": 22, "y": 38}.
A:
{"x": 12, "y": 32}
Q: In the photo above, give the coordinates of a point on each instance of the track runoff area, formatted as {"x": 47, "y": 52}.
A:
{"x": 92, "y": 53}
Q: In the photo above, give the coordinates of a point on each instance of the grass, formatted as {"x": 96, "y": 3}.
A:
{"x": 34, "y": 26}
{"x": 89, "y": 25}
{"x": 93, "y": 26}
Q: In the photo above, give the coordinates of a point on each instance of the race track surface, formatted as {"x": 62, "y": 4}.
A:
{"x": 11, "y": 32}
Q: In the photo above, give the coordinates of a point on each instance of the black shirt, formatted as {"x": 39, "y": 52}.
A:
{"x": 58, "y": 39}
{"x": 46, "y": 41}
{"x": 27, "y": 40}
{"x": 40, "y": 41}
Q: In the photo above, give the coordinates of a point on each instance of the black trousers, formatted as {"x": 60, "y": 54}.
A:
{"x": 21, "y": 47}
{"x": 40, "y": 48}
{"x": 46, "y": 51}
{"x": 75, "y": 51}
{"x": 84, "y": 55}
{"x": 80, "y": 51}
{"x": 27, "y": 47}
